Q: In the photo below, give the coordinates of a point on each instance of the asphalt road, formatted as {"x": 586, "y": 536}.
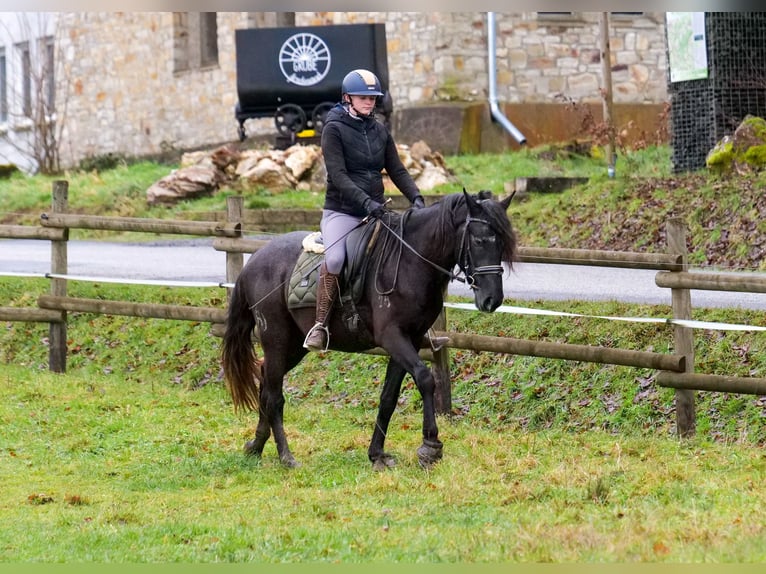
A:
{"x": 195, "y": 260}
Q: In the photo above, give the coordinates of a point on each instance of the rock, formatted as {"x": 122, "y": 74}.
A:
{"x": 317, "y": 179}
{"x": 225, "y": 157}
{"x": 298, "y": 167}
{"x": 744, "y": 151}
{"x": 269, "y": 174}
{"x": 721, "y": 157}
{"x": 300, "y": 159}
{"x": 431, "y": 177}
{"x": 184, "y": 183}
{"x": 247, "y": 162}
{"x": 420, "y": 151}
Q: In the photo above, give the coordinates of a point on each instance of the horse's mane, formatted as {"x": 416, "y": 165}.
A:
{"x": 454, "y": 210}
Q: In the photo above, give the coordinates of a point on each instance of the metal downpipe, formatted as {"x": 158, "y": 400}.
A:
{"x": 494, "y": 109}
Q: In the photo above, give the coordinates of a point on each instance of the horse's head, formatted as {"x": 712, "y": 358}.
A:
{"x": 487, "y": 241}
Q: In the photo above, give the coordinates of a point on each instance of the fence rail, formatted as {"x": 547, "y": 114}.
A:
{"x": 675, "y": 370}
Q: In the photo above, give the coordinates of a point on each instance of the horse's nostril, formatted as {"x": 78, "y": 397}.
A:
{"x": 488, "y": 304}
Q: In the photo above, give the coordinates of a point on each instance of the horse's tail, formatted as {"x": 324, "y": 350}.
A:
{"x": 241, "y": 367}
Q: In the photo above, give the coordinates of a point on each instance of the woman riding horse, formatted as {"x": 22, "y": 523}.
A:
{"x": 356, "y": 148}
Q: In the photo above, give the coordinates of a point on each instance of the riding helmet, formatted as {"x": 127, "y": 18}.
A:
{"x": 361, "y": 83}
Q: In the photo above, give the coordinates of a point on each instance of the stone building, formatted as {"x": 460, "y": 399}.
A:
{"x": 144, "y": 83}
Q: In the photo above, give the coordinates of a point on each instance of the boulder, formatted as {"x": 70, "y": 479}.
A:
{"x": 185, "y": 183}
{"x": 744, "y": 151}
{"x": 300, "y": 159}
{"x": 269, "y": 174}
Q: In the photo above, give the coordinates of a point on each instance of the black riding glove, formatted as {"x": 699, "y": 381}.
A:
{"x": 418, "y": 202}
{"x": 374, "y": 209}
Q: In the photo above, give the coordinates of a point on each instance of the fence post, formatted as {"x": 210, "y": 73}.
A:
{"x": 440, "y": 369}
{"x": 683, "y": 337}
{"x": 234, "y": 261}
{"x": 57, "y": 334}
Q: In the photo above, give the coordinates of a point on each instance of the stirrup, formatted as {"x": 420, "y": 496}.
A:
{"x": 436, "y": 342}
{"x": 317, "y": 327}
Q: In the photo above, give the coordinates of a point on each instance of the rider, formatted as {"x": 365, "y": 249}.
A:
{"x": 356, "y": 148}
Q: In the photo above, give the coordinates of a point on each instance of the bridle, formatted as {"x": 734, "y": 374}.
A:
{"x": 465, "y": 261}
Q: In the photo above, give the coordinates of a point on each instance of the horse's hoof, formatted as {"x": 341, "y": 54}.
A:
{"x": 429, "y": 453}
{"x": 289, "y": 462}
{"x": 383, "y": 462}
{"x": 251, "y": 449}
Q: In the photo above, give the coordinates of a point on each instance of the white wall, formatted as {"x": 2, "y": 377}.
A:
{"x": 15, "y": 133}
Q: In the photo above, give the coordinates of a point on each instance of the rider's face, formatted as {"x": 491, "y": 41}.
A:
{"x": 364, "y": 104}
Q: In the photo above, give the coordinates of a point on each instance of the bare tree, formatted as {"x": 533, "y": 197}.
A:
{"x": 32, "y": 80}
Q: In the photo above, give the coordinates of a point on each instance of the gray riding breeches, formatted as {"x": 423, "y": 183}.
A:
{"x": 334, "y": 227}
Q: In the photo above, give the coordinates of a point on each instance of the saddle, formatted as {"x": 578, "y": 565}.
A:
{"x": 302, "y": 287}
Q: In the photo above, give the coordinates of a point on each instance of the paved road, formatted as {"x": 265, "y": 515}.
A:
{"x": 196, "y": 260}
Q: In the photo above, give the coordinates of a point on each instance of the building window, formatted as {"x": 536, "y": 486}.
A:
{"x": 48, "y": 73}
{"x": 25, "y": 67}
{"x": 3, "y": 87}
{"x": 208, "y": 34}
{"x": 195, "y": 40}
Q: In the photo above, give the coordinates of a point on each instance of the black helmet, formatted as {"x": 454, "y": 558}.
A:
{"x": 361, "y": 83}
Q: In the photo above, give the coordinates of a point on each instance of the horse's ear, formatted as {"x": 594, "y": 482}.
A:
{"x": 470, "y": 201}
{"x": 507, "y": 201}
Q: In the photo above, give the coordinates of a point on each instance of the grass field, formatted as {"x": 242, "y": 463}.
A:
{"x": 135, "y": 453}
{"x": 98, "y": 469}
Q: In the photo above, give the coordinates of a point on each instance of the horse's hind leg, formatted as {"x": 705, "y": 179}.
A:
{"x": 388, "y": 398}
{"x": 273, "y": 403}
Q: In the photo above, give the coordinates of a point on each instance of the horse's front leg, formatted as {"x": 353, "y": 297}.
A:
{"x": 262, "y": 432}
{"x": 388, "y": 398}
{"x": 430, "y": 452}
{"x": 404, "y": 352}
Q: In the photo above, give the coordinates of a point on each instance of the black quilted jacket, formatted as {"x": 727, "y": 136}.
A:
{"x": 355, "y": 153}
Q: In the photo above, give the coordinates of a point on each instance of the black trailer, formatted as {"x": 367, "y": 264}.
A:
{"x": 295, "y": 73}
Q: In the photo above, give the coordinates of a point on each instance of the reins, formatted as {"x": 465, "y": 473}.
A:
{"x": 403, "y": 243}
{"x": 464, "y": 256}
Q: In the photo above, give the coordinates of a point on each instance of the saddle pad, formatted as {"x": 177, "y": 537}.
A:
{"x": 302, "y": 288}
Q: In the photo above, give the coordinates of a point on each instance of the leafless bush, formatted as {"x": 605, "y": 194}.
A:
{"x": 33, "y": 78}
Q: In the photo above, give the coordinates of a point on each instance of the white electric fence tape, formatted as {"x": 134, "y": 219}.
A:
{"x": 710, "y": 325}
{"x": 682, "y": 322}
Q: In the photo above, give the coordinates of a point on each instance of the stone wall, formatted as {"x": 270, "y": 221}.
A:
{"x": 121, "y": 94}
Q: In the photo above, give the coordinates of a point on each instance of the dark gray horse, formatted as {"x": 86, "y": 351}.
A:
{"x": 408, "y": 269}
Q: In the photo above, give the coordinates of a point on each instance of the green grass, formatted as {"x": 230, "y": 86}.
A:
{"x": 135, "y": 454}
{"x": 97, "y": 469}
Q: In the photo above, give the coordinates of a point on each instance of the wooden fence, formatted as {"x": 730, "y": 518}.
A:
{"x": 676, "y": 370}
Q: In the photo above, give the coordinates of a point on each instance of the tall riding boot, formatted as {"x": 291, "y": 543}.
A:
{"x": 318, "y": 337}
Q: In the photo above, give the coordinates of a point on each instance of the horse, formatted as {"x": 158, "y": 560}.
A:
{"x": 407, "y": 271}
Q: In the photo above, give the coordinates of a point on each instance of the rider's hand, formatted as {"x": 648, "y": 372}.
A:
{"x": 375, "y": 209}
{"x": 418, "y": 203}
